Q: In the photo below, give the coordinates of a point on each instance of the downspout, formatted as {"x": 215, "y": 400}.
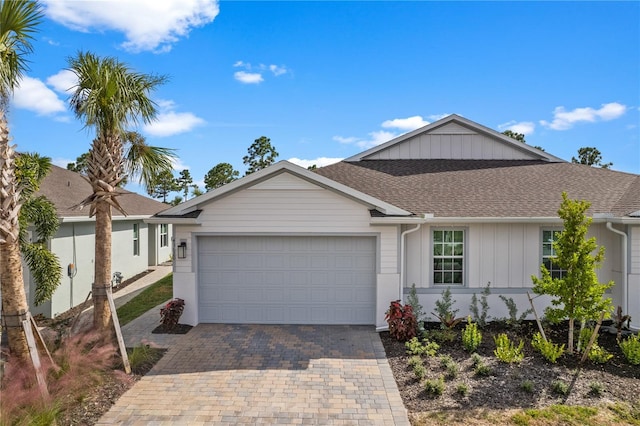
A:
{"x": 625, "y": 278}
{"x": 402, "y": 241}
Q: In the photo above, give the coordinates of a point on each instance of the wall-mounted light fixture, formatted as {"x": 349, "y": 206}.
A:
{"x": 182, "y": 250}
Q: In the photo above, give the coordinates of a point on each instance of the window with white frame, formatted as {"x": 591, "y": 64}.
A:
{"x": 448, "y": 256}
{"x": 549, "y": 236}
{"x": 136, "y": 239}
{"x": 164, "y": 235}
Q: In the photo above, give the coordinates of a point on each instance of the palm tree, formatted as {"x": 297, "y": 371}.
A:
{"x": 109, "y": 97}
{"x": 18, "y": 22}
{"x": 40, "y": 213}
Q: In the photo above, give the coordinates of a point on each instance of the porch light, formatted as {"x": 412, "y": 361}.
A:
{"x": 182, "y": 250}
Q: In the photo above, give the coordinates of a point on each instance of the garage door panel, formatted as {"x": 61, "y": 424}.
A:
{"x": 295, "y": 280}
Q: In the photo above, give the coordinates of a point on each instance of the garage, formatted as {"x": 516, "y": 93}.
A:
{"x": 287, "y": 279}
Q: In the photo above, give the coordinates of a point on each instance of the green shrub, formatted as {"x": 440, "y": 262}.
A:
{"x": 444, "y": 311}
{"x": 416, "y": 347}
{"x": 414, "y": 301}
{"x": 480, "y": 315}
{"x": 514, "y": 320}
{"x": 419, "y": 371}
{"x": 434, "y": 387}
{"x": 415, "y": 360}
{"x": 631, "y": 349}
{"x": 599, "y": 355}
{"x": 506, "y": 351}
{"x": 527, "y": 386}
{"x": 462, "y": 389}
{"x": 441, "y": 336}
{"x": 476, "y": 359}
{"x": 549, "y": 350}
{"x": 559, "y": 387}
{"x": 450, "y": 366}
{"x": 471, "y": 336}
{"x": 596, "y": 389}
{"x": 482, "y": 370}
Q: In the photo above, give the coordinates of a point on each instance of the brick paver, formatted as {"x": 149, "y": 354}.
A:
{"x": 267, "y": 374}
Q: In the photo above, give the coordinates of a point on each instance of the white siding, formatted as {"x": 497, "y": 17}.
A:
{"x": 506, "y": 255}
{"x": 285, "y": 205}
{"x": 455, "y": 146}
{"x": 634, "y": 238}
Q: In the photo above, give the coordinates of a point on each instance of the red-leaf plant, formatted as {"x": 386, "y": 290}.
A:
{"x": 170, "y": 314}
{"x": 402, "y": 321}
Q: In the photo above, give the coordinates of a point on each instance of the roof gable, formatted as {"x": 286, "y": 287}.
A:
{"x": 454, "y": 138}
{"x": 282, "y": 175}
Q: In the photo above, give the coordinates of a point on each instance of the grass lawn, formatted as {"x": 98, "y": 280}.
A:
{"x": 149, "y": 298}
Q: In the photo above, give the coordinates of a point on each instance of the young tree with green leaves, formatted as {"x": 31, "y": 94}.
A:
{"x": 183, "y": 183}
{"x": 162, "y": 185}
{"x": 261, "y": 154}
{"x": 19, "y": 20}
{"x": 577, "y": 294}
{"x": 220, "y": 174}
{"x": 591, "y": 157}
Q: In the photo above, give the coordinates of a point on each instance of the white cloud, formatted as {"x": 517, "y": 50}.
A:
{"x": 375, "y": 138}
{"x": 564, "y": 120}
{"x": 524, "y": 127}
{"x": 436, "y": 117}
{"x": 407, "y": 124}
{"x": 278, "y": 70}
{"x": 63, "y": 82}
{"x": 34, "y": 95}
{"x": 319, "y": 162}
{"x": 147, "y": 24}
{"x": 172, "y": 123}
{"x": 248, "y": 77}
{"x": 178, "y": 165}
{"x": 254, "y": 74}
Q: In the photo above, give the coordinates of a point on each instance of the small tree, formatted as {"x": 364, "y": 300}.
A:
{"x": 184, "y": 182}
{"x": 261, "y": 154}
{"x": 220, "y": 174}
{"x": 577, "y": 294}
{"x": 162, "y": 185}
{"x": 591, "y": 157}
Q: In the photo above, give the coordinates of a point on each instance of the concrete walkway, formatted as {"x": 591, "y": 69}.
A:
{"x": 257, "y": 374}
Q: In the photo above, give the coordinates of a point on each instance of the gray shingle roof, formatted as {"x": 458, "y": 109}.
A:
{"x": 488, "y": 188}
{"x": 66, "y": 189}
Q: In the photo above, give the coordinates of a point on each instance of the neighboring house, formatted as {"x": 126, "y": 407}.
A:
{"x": 136, "y": 245}
{"x": 453, "y": 204}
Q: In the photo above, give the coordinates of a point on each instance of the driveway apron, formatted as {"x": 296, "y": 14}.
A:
{"x": 267, "y": 374}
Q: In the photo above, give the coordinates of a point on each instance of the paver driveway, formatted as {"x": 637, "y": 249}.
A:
{"x": 270, "y": 374}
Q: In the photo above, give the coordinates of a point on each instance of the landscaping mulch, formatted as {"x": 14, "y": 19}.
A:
{"x": 503, "y": 389}
{"x": 177, "y": 329}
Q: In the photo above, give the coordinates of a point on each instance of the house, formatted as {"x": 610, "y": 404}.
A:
{"x": 452, "y": 204}
{"x": 136, "y": 245}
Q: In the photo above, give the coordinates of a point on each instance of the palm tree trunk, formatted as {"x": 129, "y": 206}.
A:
{"x": 102, "y": 273}
{"x": 14, "y": 299}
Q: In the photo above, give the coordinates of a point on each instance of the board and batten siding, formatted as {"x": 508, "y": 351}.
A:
{"x": 634, "y": 237}
{"x": 451, "y": 142}
{"x": 284, "y": 205}
{"x": 506, "y": 255}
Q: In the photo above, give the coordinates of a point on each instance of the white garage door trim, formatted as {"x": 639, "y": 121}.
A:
{"x": 270, "y": 279}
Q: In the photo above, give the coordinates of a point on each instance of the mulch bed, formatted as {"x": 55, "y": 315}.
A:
{"x": 503, "y": 389}
{"x": 177, "y": 329}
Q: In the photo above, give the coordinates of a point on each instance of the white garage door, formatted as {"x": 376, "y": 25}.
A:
{"x": 286, "y": 280}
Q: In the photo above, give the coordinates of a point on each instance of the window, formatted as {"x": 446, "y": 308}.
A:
{"x": 549, "y": 236}
{"x": 164, "y": 235}
{"x": 448, "y": 256}
{"x": 136, "y": 239}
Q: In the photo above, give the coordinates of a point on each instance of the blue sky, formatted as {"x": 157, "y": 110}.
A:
{"x": 325, "y": 80}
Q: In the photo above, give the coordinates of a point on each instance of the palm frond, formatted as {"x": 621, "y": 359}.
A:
{"x": 144, "y": 162}
{"x": 45, "y": 269}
